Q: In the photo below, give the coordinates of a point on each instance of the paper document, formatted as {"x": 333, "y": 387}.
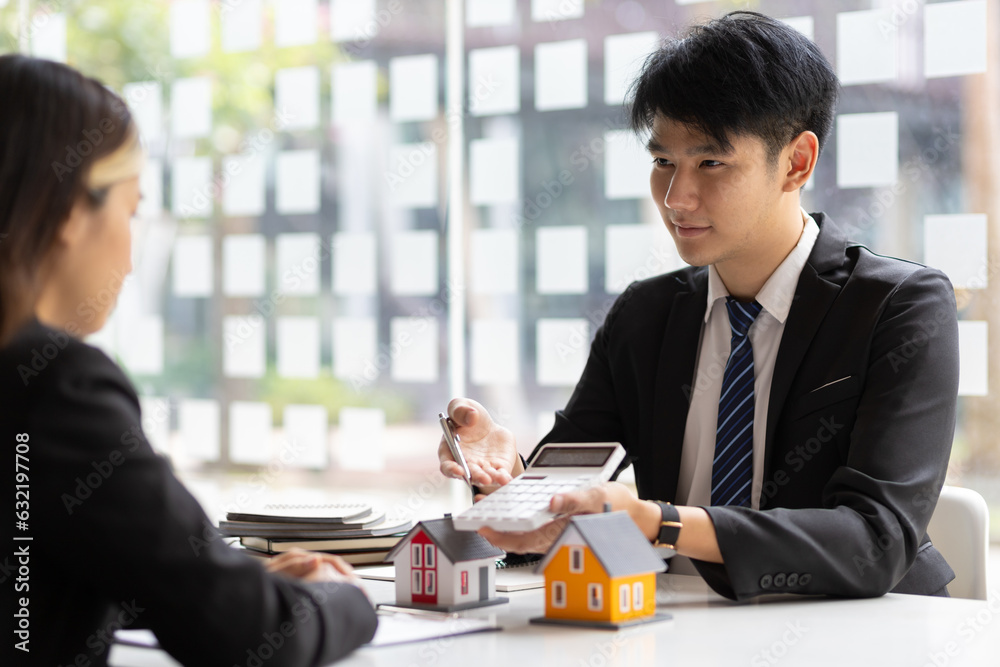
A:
{"x": 144, "y": 638}
{"x": 403, "y": 627}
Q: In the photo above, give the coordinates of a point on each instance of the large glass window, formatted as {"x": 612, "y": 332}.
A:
{"x": 355, "y": 210}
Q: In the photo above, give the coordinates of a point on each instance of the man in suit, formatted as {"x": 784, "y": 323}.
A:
{"x": 792, "y": 393}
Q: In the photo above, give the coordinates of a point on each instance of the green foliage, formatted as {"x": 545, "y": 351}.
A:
{"x": 8, "y": 28}
{"x": 116, "y": 42}
{"x": 329, "y": 392}
{"x": 123, "y": 41}
{"x": 127, "y": 41}
{"x": 189, "y": 373}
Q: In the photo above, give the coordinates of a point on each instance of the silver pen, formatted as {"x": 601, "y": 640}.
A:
{"x": 453, "y": 440}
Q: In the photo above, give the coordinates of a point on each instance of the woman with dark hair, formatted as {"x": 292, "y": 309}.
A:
{"x": 106, "y": 536}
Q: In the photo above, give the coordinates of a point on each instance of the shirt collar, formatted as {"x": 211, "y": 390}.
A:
{"x": 777, "y": 293}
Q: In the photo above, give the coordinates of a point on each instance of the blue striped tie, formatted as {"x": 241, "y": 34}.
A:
{"x": 732, "y": 467}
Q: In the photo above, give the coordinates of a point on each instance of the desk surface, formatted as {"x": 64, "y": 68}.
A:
{"x": 706, "y": 630}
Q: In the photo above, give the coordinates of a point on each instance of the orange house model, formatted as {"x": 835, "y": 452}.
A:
{"x": 601, "y": 572}
{"x": 438, "y": 567}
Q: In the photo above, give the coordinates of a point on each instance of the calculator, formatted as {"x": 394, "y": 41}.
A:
{"x": 523, "y": 504}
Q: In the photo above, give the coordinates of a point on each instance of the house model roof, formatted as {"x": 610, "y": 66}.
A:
{"x": 456, "y": 545}
{"x": 615, "y": 541}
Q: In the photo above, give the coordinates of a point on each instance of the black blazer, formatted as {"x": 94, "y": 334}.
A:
{"x": 859, "y": 426}
{"x": 118, "y": 541}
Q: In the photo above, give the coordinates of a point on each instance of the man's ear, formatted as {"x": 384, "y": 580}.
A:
{"x": 799, "y": 160}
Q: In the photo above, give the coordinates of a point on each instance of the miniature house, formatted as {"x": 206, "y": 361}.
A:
{"x": 600, "y": 571}
{"x": 443, "y": 568}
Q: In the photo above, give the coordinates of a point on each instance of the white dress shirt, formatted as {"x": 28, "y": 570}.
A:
{"x": 695, "y": 483}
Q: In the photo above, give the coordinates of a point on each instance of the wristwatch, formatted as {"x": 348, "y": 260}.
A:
{"x": 670, "y": 526}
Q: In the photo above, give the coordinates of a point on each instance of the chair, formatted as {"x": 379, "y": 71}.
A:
{"x": 959, "y": 529}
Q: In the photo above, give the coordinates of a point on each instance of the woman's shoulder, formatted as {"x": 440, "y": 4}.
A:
{"x": 44, "y": 358}
{"x": 68, "y": 395}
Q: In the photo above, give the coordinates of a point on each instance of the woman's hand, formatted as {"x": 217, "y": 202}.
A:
{"x": 311, "y": 566}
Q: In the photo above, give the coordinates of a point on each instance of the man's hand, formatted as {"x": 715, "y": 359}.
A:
{"x": 489, "y": 449}
{"x": 697, "y": 538}
{"x": 586, "y": 501}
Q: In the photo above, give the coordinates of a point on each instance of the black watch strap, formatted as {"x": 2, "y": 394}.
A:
{"x": 670, "y": 526}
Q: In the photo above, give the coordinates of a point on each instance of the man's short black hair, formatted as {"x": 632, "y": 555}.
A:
{"x": 741, "y": 74}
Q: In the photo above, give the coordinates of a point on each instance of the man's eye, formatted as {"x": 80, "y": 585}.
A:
{"x": 661, "y": 162}
{"x": 711, "y": 163}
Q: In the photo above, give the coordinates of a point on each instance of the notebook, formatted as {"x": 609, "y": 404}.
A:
{"x": 317, "y": 513}
{"x": 358, "y": 544}
{"x": 298, "y": 529}
{"x": 386, "y": 526}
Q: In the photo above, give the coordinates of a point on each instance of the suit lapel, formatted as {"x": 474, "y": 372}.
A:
{"x": 674, "y": 379}
{"x": 814, "y": 295}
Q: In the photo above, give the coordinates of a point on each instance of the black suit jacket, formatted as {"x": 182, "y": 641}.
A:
{"x": 118, "y": 541}
{"x": 859, "y": 425}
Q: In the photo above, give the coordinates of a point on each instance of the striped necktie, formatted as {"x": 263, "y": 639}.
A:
{"x": 732, "y": 467}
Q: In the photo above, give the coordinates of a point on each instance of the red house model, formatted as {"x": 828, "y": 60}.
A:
{"x": 438, "y": 567}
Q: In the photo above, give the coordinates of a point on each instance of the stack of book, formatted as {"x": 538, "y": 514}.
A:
{"x": 354, "y": 531}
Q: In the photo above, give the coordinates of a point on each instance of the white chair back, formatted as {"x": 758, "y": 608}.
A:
{"x": 959, "y": 528}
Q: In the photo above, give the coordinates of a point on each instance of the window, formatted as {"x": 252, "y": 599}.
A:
{"x": 595, "y": 597}
{"x": 559, "y": 594}
{"x": 465, "y": 582}
{"x": 429, "y": 581}
{"x": 637, "y": 601}
{"x": 418, "y": 580}
{"x": 576, "y": 560}
{"x": 366, "y": 247}
{"x": 429, "y": 555}
{"x": 624, "y": 601}
{"x": 415, "y": 551}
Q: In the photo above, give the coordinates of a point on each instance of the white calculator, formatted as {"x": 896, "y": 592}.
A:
{"x": 523, "y": 504}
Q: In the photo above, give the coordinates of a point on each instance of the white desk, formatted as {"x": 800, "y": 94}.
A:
{"x": 707, "y": 630}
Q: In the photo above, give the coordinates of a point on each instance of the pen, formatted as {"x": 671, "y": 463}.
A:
{"x": 452, "y": 439}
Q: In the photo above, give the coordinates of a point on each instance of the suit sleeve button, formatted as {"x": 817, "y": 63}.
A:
{"x": 793, "y": 580}
{"x": 765, "y": 581}
{"x": 804, "y": 579}
{"x": 779, "y": 580}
